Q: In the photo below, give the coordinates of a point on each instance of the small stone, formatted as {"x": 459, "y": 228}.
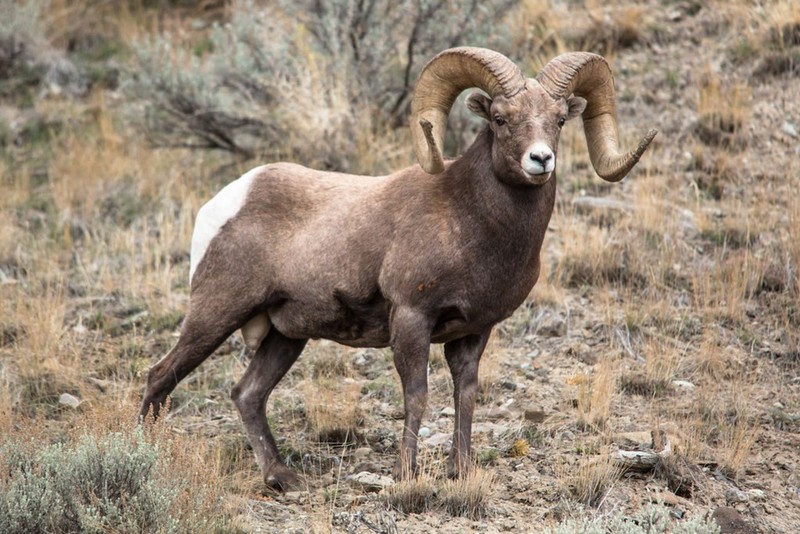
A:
{"x": 494, "y": 414}
{"x": 489, "y": 428}
{"x": 449, "y": 411}
{"x": 362, "y": 452}
{"x": 424, "y": 432}
{"x": 371, "y": 481}
{"x": 552, "y": 325}
{"x": 789, "y": 129}
{"x": 778, "y": 405}
{"x": 735, "y": 495}
{"x": 439, "y": 439}
{"x": 69, "y": 400}
{"x": 757, "y": 494}
{"x": 510, "y": 386}
{"x": 683, "y": 384}
{"x": 535, "y": 416}
{"x": 294, "y": 496}
{"x": 731, "y": 521}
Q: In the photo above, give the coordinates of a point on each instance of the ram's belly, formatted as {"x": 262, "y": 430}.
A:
{"x": 362, "y": 324}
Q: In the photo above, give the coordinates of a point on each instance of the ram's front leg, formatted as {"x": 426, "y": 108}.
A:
{"x": 463, "y": 356}
{"x": 411, "y": 335}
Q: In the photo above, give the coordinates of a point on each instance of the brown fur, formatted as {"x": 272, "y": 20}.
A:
{"x": 404, "y": 261}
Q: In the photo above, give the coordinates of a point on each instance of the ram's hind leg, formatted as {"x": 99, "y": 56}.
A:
{"x": 273, "y": 359}
{"x": 206, "y": 327}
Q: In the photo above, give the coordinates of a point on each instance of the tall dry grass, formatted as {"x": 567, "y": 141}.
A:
{"x": 96, "y": 232}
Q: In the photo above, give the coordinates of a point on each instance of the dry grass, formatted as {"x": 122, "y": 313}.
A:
{"x": 413, "y": 496}
{"x": 469, "y": 496}
{"x": 595, "y": 394}
{"x": 95, "y": 228}
{"x": 331, "y": 407}
{"x": 723, "y": 110}
{"x": 589, "y": 481}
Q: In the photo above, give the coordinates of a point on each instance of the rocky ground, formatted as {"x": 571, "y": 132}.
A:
{"x": 657, "y": 360}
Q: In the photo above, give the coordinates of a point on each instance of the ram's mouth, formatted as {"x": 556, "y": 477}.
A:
{"x": 537, "y": 178}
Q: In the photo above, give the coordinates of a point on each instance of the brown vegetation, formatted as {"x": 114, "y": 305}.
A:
{"x": 675, "y": 306}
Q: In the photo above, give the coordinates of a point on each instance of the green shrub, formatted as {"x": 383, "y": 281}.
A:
{"x": 309, "y": 81}
{"x": 652, "y": 519}
{"x": 115, "y": 483}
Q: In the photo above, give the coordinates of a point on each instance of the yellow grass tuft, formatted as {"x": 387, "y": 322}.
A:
{"x": 331, "y": 406}
{"x": 723, "y": 109}
{"x": 595, "y": 394}
{"x": 589, "y": 481}
{"x": 413, "y": 496}
{"x": 469, "y": 496}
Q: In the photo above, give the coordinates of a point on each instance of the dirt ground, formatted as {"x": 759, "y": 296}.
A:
{"x": 666, "y": 321}
{"x": 545, "y": 360}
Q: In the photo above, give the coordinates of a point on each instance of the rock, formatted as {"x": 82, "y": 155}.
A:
{"x": 362, "y": 452}
{"x": 494, "y": 414}
{"x": 424, "y": 432}
{"x": 69, "y": 400}
{"x": 371, "y": 481}
{"x": 642, "y": 439}
{"x": 439, "y": 439}
{"x": 535, "y": 416}
{"x": 294, "y": 496}
{"x": 669, "y": 498}
{"x": 365, "y": 357}
{"x": 731, "y": 522}
{"x": 448, "y": 412}
{"x": 489, "y": 428}
{"x": 683, "y": 384}
{"x": 789, "y": 129}
{"x": 551, "y": 324}
{"x": 510, "y": 386}
{"x": 735, "y": 495}
{"x": 757, "y": 494}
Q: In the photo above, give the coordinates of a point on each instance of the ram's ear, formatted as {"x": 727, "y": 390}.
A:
{"x": 480, "y": 105}
{"x": 575, "y": 106}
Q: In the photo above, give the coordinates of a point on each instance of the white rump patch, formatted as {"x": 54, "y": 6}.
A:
{"x": 215, "y": 213}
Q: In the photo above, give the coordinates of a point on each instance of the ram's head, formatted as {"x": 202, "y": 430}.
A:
{"x": 525, "y": 114}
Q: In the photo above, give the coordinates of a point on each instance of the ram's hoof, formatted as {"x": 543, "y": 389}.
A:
{"x": 282, "y": 479}
{"x": 403, "y": 471}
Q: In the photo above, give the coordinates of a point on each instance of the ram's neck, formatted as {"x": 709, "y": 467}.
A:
{"x": 517, "y": 215}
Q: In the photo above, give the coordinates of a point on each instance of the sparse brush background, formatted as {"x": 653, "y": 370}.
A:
{"x": 668, "y": 309}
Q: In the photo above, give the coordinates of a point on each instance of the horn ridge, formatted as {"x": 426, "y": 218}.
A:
{"x": 441, "y": 81}
{"x": 589, "y": 76}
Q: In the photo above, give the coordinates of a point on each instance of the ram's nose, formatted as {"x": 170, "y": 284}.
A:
{"x": 539, "y": 159}
{"x": 542, "y": 158}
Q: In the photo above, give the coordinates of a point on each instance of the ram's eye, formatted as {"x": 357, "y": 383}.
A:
{"x": 498, "y": 120}
{"x": 561, "y": 122}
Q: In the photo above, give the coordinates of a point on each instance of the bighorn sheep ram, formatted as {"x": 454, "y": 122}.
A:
{"x": 432, "y": 254}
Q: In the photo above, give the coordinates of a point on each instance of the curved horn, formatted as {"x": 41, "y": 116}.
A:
{"x": 588, "y": 75}
{"x": 438, "y": 85}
